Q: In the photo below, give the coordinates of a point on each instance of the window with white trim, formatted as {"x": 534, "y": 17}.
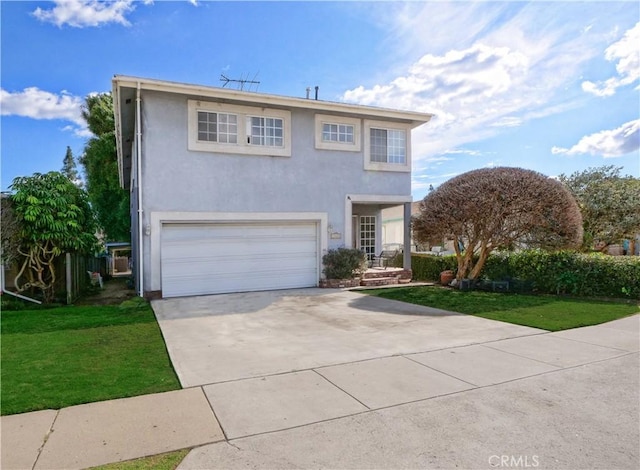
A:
{"x": 387, "y": 146}
{"x": 265, "y": 131}
{"x": 235, "y": 129}
{"x": 337, "y": 133}
{"x": 217, "y": 127}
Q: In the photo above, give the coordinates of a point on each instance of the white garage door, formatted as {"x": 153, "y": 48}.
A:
{"x": 215, "y": 258}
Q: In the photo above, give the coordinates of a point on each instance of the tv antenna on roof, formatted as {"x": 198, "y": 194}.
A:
{"x": 241, "y": 82}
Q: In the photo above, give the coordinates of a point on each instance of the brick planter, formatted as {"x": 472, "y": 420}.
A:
{"x": 339, "y": 283}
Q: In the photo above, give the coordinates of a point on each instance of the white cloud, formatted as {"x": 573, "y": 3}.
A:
{"x": 473, "y": 153}
{"x": 83, "y": 13}
{"x": 608, "y": 143}
{"x": 627, "y": 55}
{"x": 514, "y": 63}
{"x": 39, "y": 104}
{"x": 473, "y": 92}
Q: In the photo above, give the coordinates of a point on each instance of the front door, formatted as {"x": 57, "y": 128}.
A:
{"x": 367, "y": 235}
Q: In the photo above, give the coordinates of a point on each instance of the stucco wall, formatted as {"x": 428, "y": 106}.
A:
{"x": 176, "y": 179}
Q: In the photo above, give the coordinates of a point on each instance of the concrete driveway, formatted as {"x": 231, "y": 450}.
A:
{"x": 323, "y": 379}
{"x": 221, "y": 338}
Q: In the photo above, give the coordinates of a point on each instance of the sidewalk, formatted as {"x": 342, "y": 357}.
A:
{"x": 276, "y": 419}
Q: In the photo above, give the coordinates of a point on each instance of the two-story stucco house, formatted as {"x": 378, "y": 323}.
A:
{"x": 236, "y": 191}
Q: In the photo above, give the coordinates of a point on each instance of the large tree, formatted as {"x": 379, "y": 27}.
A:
{"x": 52, "y": 216}
{"x": 10, "y": 232}
{"x": 69, "y": 166}
{"x": 100, "y": 163}
{"x": 498, "y": 208}
{"x": 609, "y": 202}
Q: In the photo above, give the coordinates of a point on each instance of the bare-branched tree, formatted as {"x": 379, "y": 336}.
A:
{"x": 498, "y": 208}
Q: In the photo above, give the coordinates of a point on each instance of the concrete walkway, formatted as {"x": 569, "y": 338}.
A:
{"x": 553, "y": 400}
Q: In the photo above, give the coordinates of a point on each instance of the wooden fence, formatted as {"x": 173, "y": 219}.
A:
{"x": 72, "y": 275}
{"x": 76, "y": 269}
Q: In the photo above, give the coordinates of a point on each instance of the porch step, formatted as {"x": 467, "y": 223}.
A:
{"x": 381, "y": 281}
{"x": 385, "y": 277}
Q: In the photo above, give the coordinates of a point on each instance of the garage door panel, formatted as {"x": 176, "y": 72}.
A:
{"x": 215, "y": 258}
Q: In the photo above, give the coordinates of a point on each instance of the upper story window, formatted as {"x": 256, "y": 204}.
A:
{"x": 387, "y": 146}
{"x": 217, "y": 127}
{"x": 266, "y": 131}
{"x": 337, "y": 133}
{"x": 234, "y": 129}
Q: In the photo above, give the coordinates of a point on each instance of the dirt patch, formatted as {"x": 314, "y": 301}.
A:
{"x": 114, "y": 292}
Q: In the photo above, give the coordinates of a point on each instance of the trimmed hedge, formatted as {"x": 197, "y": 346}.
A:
{"x": 429, "y": 267}
{"x": 561, "y": 272}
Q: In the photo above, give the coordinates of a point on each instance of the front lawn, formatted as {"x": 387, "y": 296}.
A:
{"x": 71, "y": 355}
{"x": 546, "y": 312}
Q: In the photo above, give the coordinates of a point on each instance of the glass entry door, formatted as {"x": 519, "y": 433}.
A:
{"x": 367, "y": 235}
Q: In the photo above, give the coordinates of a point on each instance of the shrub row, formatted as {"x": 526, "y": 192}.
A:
{"x": 429, "y": 267}
{"x": 562, "y": 272}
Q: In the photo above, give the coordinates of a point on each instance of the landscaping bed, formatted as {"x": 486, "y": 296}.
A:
{"x": 547, "y": 312}
{"x": 58, "y": 357}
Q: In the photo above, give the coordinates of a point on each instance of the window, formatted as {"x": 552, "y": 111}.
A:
{"x": 368, "y": 235}
{"x": 217, "y": 127}
{"x": 337, "y": 133}
{"x": 387, "y": 146}
{"x": 233, "y": 129}
{"x": 265, "y": 131}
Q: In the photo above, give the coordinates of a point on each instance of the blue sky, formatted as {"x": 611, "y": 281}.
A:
{"x": 549, "y": 86}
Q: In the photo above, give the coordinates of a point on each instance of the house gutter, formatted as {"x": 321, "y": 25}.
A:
{"x": 139, "y": 171}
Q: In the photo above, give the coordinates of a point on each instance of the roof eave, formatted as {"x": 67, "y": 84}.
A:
{"x": 412, "y": 117}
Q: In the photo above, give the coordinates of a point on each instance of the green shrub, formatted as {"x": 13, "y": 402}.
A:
{"x": 429, "y": 267}
{"x": 397, "y": 261}
{"x": 559, "y": 272}
{"x": 344, "y": 263}
{"x": 568, "y": 272}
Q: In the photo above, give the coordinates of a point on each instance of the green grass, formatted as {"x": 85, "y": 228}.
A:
{"x": 168, "y": 461}
{"x": 71, "y": 355}
{"x": 546, "y": 312}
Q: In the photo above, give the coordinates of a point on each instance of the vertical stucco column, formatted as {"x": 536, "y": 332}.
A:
{"x": 406, "y": 262}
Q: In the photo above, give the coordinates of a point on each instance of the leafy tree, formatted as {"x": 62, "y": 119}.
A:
{"x": 498, "y": 208}
{"x": 609, "y": 202}
{"x": 100, "y": 163}
{"x": 69, "y": 166}
{"x": 10, "y": 232}
{"x": 53, "y": 216}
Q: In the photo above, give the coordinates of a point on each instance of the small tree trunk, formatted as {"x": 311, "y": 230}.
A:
{"x": 484, "y": 254}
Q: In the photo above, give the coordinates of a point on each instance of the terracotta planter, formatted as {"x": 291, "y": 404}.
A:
{"x": 446, "y": 277}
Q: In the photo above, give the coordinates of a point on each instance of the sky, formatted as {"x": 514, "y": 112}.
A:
{"x": 545, "y": 85}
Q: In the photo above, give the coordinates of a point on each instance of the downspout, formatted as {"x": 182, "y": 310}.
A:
{"x": 3, "y": 290}
{"x": 139, "y": 171}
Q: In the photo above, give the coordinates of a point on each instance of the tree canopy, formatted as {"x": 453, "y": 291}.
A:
{"x": 498, "y": 208}
{"x": 52, "y": 215}
{"x": 609, "y": 203}
{"x": 69, "y": 168}
{"x": 100, "y": 162}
